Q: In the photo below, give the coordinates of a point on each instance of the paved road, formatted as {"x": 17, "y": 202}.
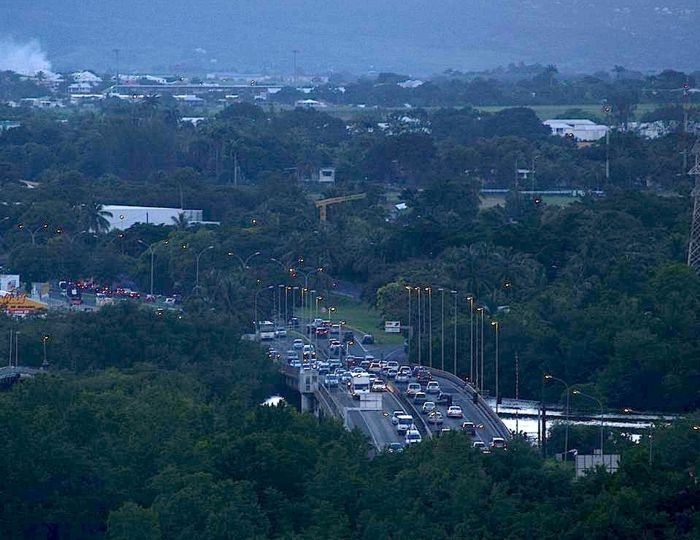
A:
{"x": 377, "y": 424}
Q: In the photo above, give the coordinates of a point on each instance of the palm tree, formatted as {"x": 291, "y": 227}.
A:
{"x": 96, "y": 218}
{"x": 181, "y": 221}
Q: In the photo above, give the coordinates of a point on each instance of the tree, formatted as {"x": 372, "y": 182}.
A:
{"x": 95, "y": 218}
{"x": 132, "y": 522}
{"x": 181, "y": 221}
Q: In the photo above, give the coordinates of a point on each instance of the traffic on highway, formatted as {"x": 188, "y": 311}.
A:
{"x": 415, "y": 402}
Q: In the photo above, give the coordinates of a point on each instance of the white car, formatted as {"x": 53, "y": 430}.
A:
{"x": 298, "y": 344}
{"x": 281, "y": 331}
{"x": 428, "y": 407}
{"x": 379, "y": 386}
{"x": 402, "y": 377}
{"x": 413, "y": 437}
{"x": 412, "y": 389}
{"x": 433, "y": 387}
{"x": 404, "y": 423}
{"x": 455, "y": 411}
{"x": 395, "y": 416}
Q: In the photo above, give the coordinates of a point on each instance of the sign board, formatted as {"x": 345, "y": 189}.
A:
{"x": 392, "y": 327}
{"x": 9, "y": 282}
{"x": 586, "y": 462}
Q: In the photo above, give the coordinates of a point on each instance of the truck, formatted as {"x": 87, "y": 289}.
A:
{"x": 266, "y": 330}
{"x": 359, "y": 385}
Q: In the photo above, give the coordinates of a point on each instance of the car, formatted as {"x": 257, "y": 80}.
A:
{"x": 413, "y": 437}
{"x": 469, "y": 428}
{"x": 280, "y": 331}
{"x": 375, "y": 367}
{"x": 480, "y": 445}
{"x": 298, "y": 344}
{"x": 395, "y": 416}
{"x": 368, "y": 339}
{"x": 428, "y": 407}
{"x": 348, "y": 336}
{"x": 455, "y": 411}
{"x": 404, "y": 422}
{"x": 332, "y": 381}
{"x": 499, "y": 443}
{"x": 391, "y": 364}
{"x": 435, "y": 417}
{"x": 412, "y": 389}
{"x": 346, "y": 378}
{"x": 294, "y": 322}
{"x": 378, "y": 386}
{"x": 394, "y": 448}
{"x": 391, "y": 373}
{"x": 402, "y": 377}
{"x": 321, "y": 332}
{"x": 443, "y": 399}
{"x": 423, "y": 376}
{"x": 420, "y": 398}
{"x": 364, "y": 364}
{"x": 433, "y": 387}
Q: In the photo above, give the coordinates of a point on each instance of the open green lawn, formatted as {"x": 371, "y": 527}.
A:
{"x": 362, "y": 319}
{"x": 489, "y": 201}
{"x": 546, "y": 112}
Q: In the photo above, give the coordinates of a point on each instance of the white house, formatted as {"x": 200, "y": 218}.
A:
{"x": 124, "y": 217}
{"x": 86, "y": 77}
{"x": 579, "y": 129}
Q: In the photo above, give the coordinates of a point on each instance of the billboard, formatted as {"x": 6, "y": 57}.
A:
{"x": 9, "y": 282}
{"x": 392, "y": 327}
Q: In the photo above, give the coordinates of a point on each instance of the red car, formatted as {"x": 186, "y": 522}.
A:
{"x": 322, "y": 331}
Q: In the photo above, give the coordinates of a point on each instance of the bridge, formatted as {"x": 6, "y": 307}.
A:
{"x": 371, "y": 414}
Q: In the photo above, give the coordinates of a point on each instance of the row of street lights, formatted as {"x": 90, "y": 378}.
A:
{"x": 424, "y": 295}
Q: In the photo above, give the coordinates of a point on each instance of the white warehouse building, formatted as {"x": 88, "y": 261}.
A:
{"x": 124, "y": 217}
{"x": 579, "y": 129}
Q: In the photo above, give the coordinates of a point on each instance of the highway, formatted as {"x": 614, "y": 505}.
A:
{"x": 377, "y": 425}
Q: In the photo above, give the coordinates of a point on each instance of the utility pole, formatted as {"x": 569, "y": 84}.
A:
{"x": 517, "y": 376}
{"x": 694, "y": 243}
{"x": 116, "y": 67}
{"x": 294, "y": 75}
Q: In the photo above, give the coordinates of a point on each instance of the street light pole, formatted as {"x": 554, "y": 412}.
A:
{"x": 442, "y": 328}
{"x": 255, "y": 309}
{"x": 496, "y": 327}
{"x": 600, "y": 404}
{"x": 44, "y": 339}
{"x": 481, "y": 343}
{"x": 199, "y": 255}
{"x": 430, "y": 325}
{"x": 410, "y": 323}
{"x": 566, "y": 427}
{"x": 419, "y": 327}
{"x": 470, "y": 299}
{"x": 455, "y": 334}
{"x": 150, "y": 248}
{"x": 651, "y": 435}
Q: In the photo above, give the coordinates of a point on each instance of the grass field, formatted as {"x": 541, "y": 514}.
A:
{"x": 489, "y": 201}
{"x": 362, "y": 319}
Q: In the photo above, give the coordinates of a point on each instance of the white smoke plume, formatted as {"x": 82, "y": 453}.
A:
{"x": 25, "y": 58}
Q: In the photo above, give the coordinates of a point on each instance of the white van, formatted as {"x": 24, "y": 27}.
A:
{"x": 404, "y": 422}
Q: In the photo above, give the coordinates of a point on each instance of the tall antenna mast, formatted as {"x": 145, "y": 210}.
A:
{"x": 116, "y": 67}
{"x": 294, "y": 75}
{"x": 694, "y": 244}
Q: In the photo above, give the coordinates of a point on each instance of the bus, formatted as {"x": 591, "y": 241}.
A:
{"x": 266, "y": 330}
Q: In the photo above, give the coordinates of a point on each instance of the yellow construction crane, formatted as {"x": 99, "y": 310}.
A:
{"x": 323, "y": 204}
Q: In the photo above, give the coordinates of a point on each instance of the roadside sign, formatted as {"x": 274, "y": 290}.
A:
{"x": 392, "y": 327}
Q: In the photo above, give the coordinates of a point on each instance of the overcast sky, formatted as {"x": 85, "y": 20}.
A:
{"x": 411, "y": 36}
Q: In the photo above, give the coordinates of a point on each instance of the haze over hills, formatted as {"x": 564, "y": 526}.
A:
{"x": 415, "y": 36}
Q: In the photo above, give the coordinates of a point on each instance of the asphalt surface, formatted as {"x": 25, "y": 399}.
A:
{"x": 377, "y": 424}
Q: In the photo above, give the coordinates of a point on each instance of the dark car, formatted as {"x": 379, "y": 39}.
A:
{"x": 444, "y": 399}
{"x": 348, "y": 336}
{"x": 368, "y": 339}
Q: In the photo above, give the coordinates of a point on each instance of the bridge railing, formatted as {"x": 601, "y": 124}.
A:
{"x": 496, "y": 423}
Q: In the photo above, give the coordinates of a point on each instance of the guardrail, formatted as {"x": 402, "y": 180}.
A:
{"x": 496, "y": 423}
